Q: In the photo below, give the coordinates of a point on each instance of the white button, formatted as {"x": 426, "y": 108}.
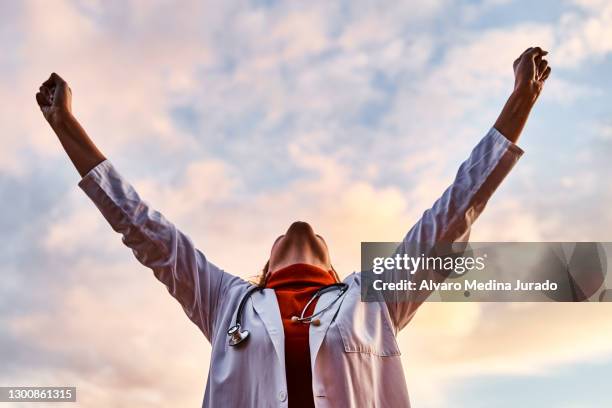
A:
{"x": 282, "y": 395}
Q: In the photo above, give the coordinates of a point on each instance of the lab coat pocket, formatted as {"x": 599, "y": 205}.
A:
{"x": 367, "y": 330}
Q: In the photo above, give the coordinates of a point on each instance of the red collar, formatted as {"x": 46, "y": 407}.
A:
{"x": 299, "y": 275}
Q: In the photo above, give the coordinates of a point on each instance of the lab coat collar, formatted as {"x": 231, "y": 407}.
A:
{"x": 266, "y": 306}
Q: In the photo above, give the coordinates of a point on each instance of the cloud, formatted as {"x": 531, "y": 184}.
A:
{"x": 448, "y": 343}
{"x": 585, "y": 35}
{"x": 108, "y": 316}
{"x": 544, "y": 336}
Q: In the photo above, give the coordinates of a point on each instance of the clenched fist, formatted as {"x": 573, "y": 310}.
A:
{"x": 54, "y": 99}
{"x": 531, "y": 70}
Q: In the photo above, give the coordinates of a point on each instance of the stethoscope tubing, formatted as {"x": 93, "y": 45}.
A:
{"x": 343, "y": 288}
{"x": 238, "y": 336}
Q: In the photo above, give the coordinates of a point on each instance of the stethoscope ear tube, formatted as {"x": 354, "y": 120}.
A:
{"x": 313, "y": 319}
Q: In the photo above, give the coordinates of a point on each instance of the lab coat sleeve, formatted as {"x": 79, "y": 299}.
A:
{"x": 196, "y": 283}
{"x": 451, "y": 216}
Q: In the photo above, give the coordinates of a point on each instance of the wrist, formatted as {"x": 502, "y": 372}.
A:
{"x": 61, "y": 118}
{"x": 514, "y": 115}
{"x": 527, "y": 92}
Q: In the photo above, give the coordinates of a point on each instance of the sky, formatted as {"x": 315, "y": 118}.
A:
{"x": 236, "y": 118}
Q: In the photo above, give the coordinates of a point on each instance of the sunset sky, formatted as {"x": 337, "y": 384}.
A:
{"x": 235, "y": 118}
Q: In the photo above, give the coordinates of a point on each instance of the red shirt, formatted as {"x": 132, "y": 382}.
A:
{"x": 294, "y": 286}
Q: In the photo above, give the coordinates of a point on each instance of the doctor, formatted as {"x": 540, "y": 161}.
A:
{"x": 300, "y": 338}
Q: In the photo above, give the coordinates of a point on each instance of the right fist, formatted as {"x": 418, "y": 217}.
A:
{"x": 54, "y": 98}
{"x": 531, "y": 70}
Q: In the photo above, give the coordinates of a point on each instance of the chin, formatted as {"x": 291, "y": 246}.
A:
{"x": 299, "y": 244}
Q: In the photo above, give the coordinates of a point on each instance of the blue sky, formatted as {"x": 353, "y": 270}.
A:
{"x": 235, "y": 118}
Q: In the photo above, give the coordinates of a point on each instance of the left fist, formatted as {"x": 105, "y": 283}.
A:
{"x": 54, "y": 99}
{"x": 531, "y": 70}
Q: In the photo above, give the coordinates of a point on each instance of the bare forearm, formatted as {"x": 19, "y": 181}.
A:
{"x": 80, "y": 148}
{"x": 515, "y": 113}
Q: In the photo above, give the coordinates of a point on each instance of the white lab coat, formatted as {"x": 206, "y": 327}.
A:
{"x": 355, "y": 359}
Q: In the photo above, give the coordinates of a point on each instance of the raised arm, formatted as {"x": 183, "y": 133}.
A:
{"x": 451, "y": 216}
{"x": 195, "y": 282}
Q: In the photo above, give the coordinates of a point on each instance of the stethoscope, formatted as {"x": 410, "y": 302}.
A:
{"x": 237, "y": 336}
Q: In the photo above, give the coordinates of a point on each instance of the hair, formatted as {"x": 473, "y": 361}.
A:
{"x": 261, "y": 279}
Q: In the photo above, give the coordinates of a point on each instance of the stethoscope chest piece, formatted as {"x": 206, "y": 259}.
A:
{"x": 236, "y": 335}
